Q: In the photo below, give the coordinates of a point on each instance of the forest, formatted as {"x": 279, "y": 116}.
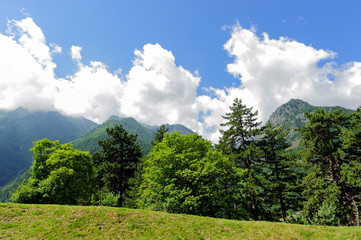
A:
{"x": 252, "y": 173}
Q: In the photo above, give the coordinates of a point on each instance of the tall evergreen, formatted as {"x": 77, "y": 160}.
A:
{"x": 351, "y": 167}
{"x": 158, "y": 137}
{"x": 238, "y": 141}
{"x": 280, "y": 169}
{"x": 117, "y": 161}
{"x": 329, "y": 167}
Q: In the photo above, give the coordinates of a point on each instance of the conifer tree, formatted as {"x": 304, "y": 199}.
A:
{"x": 328, "y": 166}
{"x": 117, "y": 161}
{"x": 159, "y": 135}
{"x": 351, "y": 167}
{"x": 280, "y": 170}
{"x": 238, "y": 141}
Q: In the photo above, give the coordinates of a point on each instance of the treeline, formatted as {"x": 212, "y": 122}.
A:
{"x": 251, "y": 174}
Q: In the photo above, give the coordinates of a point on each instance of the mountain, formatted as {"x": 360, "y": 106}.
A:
{"x": 171, "y": 128}
{"x": 292, "y": 116}
{"x": 89, "y": 142}
{"x": 18, "y": 130}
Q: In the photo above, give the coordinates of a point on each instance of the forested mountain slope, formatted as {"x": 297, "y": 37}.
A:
{"x": 292, "y": 116}
{"x": 18, "y": 130}
{"x": 89, "y": 142}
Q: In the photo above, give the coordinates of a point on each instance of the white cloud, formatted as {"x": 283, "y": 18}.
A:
{"x": 156, "y": 90}
{"x": 272, "y": 71}
{"x": 55, "y": 48}
{"x": 27, "y": 77}
{"x": 32, "y": 39}
{"x": 26, "y": 67}
{"x": 75, "y": 53}
{"x": 92, "y": 92}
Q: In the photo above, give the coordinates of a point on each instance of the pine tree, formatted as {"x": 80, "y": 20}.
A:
{"x": 238, "y": 142}
{"x": 159, "y": 135}
{"x": 280, "y": 169}
{"x": 326, "y": 163}
{"x": 351, "y": 167}
{"x": 117, "y": 161}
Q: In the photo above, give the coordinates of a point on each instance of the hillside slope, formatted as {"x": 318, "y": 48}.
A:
{"x": 18, "y": 130}
{"x": 20, "y": 221}
{"x": 89, "y": 142}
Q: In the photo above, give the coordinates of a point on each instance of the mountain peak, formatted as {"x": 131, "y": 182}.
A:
{"x": 292, "y": 115}
{"x": 297, "y": 102}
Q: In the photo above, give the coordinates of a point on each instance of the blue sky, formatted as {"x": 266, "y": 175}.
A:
{"x": 195, "y": 32}
{"x": 109, "y": 31}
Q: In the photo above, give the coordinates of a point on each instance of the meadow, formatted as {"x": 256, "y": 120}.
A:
{"x": 31, "y": 221}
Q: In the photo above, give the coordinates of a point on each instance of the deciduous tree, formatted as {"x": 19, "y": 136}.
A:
{"x": 184, "y": 174}
{"x": 60, "y": 174}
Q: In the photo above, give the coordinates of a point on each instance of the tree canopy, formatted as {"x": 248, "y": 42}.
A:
{"x": 60, "y": 174}
{"x": 117, "y": 161}
{"x": 184, "y": 174}
{"x": 238, "y": 142}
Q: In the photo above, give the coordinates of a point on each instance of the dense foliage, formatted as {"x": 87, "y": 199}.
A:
{"x": 184, "y": 174}
{"x": 281, "y": 173}
{"x": 239, "y": 143}
{"x": 117, "y": 161}
{"x": 145, "y": 134}
{"x": 18, "y": 130}
{"x": 333, "y": 162}
{"x": 60, "y": 174}
{"x": 253, "y": 173}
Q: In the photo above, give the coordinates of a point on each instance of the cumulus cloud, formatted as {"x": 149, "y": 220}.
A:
{"x": 272, "y": 71}
{"x": 92, "y": 92}
{"x": 27, "y": 77}
{"x": 26, "y": 67}
{"x": 156, "y": 90}
{"x": 32, "y": 39}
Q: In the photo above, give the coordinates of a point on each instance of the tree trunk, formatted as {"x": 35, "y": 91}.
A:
{"x": 280, "y": 196}
{"x": 254, "y": 207}
{"x": 356, "y": 212}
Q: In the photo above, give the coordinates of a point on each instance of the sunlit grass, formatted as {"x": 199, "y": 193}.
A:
{"x": 19, "y": 221}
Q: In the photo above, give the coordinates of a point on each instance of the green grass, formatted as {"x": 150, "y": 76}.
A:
{"x": 29, "y": 221}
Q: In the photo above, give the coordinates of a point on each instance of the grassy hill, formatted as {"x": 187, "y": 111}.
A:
{"x": 28, "y": 221}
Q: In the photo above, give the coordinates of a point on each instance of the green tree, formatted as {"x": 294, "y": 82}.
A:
{"x": 117, "y": 161}
{"x": 160, "y": 134}
{"x": 331, "y": 170}
{"x": 351, "y": 166}
{"x": 131, "y": 198}
{"x": 184, "y": 174}
{"x": 238, "y": 142}
{"x": 60, "y": 174}
{"x": 281, "y": 172}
